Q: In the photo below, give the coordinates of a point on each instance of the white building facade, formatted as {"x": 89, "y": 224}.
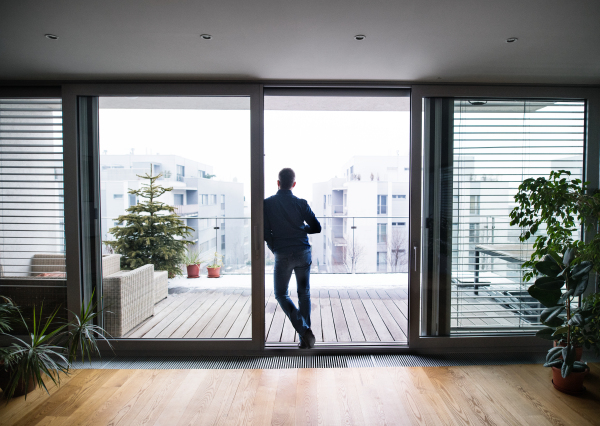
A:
{"x": 364, "y": 217}
{"x": 215, "y": 209}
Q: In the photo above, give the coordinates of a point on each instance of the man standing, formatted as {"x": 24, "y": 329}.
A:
{"x": 288, "y": 221}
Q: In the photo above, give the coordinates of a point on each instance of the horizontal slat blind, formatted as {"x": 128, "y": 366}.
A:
{"x": 32, "y": 236}
{"x": 498, "y": 144}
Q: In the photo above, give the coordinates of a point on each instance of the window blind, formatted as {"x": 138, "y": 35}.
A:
{"x": 32, "y": 236}
{"x": 498, "y": 144}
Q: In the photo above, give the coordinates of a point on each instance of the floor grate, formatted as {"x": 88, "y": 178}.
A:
{"x": 316, "y": 361}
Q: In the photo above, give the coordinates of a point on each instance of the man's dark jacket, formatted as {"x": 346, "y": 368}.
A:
{"x": 285, "y": 227}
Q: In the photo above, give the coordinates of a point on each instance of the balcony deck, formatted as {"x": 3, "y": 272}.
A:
{"x": 339, "y": 314}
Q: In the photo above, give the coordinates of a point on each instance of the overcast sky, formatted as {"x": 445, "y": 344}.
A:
{"x": 316, "y": 144}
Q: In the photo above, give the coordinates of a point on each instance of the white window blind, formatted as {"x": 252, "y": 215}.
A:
{"x": 32, "y": 236}
{"x": 498, "y": 144}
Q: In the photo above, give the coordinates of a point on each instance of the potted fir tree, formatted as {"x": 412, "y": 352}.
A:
{"x": 564, "y": 262}
{"x": 214, "y": 268}
{"x": 152, "y": 233}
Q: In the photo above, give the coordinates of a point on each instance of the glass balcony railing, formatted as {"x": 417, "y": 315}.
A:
{"x": 346, "y": 245}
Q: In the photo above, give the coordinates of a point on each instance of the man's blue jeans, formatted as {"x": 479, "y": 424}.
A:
{"x": 299, "y": 262}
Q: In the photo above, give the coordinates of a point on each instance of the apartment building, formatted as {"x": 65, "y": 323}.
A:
{"x": 364, "y": 216}
{"x": 215, "y": 209}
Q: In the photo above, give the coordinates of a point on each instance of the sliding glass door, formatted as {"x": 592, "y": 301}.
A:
{"x": 349, "y": 150}
{"x": 167, "y": 217}
{"x": 477, "y": 153}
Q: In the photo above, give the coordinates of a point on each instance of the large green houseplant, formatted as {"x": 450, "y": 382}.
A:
{"x": 560, "y": 206}
{"x": 48, "y": 351}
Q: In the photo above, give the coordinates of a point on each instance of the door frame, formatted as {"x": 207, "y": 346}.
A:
{"x": 76, "y": 280}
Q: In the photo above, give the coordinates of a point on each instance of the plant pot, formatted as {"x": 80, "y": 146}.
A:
{"x": 21, "y": 389}
{"x": 572, "y": 384}
{"x": 578, "y": 350}
{"x": 214, "y": 272}
{"x": 193, "y": 271}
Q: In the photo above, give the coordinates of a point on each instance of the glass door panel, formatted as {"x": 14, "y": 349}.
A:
{"x": 175, "y": 210}
{"x": 350, "y": 155}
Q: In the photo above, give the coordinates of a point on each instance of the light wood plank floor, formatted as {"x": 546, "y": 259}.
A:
{"x": 337, "y": 315}
{"x": 486, "y": 395}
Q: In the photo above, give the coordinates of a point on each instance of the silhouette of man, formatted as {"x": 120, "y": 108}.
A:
{"x": 288, "y": 221}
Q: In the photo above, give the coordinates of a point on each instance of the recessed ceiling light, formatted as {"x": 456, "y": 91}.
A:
{"x": 360, "y": 37}
{"x": 205, "y": 36}
{"x": 51, "y": 36}
{"x": 511, "y": 39}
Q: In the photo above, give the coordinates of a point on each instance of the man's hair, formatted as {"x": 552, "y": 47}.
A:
{"x": 287, "y": 177}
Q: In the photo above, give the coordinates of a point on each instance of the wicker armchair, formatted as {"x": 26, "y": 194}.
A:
{"x": 50, "y": 265}
{"x": 161, "y": 285}
{"x": 128, "y": 295}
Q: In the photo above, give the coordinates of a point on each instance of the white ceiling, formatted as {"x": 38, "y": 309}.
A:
{"x": 416, "y": 40}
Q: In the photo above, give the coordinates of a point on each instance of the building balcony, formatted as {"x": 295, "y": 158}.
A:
{"x": 339, "y": 210}
{"x": 187, "y": 209}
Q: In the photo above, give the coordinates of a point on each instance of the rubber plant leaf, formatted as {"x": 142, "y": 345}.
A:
{"x": 545, "y": 333}
{"x": 548, "y": 298}
{"x": 548, "y": 267}
{"x": 551, "y": 312}
{"x": 550, "y": 283}
{"x": 568, "y": 257}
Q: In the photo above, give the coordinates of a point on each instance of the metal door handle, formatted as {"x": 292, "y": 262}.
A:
{"x": 415, "y": 258}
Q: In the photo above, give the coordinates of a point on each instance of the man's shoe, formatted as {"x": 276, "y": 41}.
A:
{"x": 309, "y": 338}
{"x": 302, "y": 344}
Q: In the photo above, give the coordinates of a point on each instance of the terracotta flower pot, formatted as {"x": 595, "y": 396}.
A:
{"x": 193, "y": 271}
{"x": 21, "y": 389}
{"x": 578, "y": 350}
{"x": 214, "y": 272}
{"x": 572, "y": 384}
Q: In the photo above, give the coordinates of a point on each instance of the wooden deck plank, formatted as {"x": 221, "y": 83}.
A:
{"x": 387, "y": 307}
{"x": 398, "y": 316}
{"x": 236, "y": 330}
{"x": 327, "y": 317}
{"x": 315, "y": 317}
{"x": 232, "y": 315}
{"x": 288, "y": 332}
{"x": 173, "y": 316}
{"x": 220, "y": 315}
{"x": 356, "y": 334}
{"x": 247, "y": 331}
{"x": 377, "y": 321}
{"x": 363, "y": 317}
{"x": 270, "y": 308}
{"x": 201, "y": 299}
{"x": 195, "y": 316}
{"x": 339, "y": 320}
{"x": 157, "y": 318}
{"x": 197, "y": 328}
{"x": 276, "y": 325}
{"x": 389, "y": 320}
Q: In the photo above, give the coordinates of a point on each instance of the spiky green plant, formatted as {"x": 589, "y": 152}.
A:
{"x": 151, "y": 232}
{"x": 38, "y": 359}
{"x": 49, "y": 352}
{"x": 8, "y": 314}
{"x": 82, "y": 334}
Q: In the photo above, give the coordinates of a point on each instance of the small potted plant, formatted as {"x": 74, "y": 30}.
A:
{"x": 49, "y": 349}
{"x": 214, "y": 268}
{"x": 192, "y": 261}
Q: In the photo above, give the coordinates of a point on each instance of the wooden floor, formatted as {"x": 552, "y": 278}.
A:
{"x": 477, "y": 395}
{"x": 337, "y": 315}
